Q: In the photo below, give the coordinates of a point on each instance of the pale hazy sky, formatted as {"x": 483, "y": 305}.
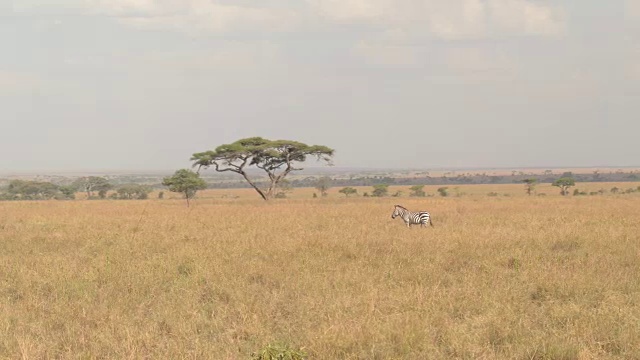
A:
{"x": 143, "y": 84}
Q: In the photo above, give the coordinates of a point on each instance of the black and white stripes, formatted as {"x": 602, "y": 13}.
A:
{"x": 412, "y": 218}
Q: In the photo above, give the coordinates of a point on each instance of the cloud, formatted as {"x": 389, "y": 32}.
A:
{"x": 526, "y": 17}
{"x": 400, "y": 27}
{"x": 352, "y": 10}
{"x": 633, "y": 64}
{"x": 196, "y": 16}
{"x": 17, "y": 82}
{"x": 632, "y": 10}
{"x": 451, "y": 19}
{"x": 478, "y": 19}
{"x": 226, "y": 56}
{"x": 380, "y": 54}
{"x": 466, "y": 60}
{"x": 6, "y": 7}
{"x": 457, "y": 19}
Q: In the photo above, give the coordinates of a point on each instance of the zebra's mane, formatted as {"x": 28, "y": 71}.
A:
{"x": 401, "y": 207}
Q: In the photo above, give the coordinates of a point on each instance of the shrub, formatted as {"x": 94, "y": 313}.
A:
{"x": 380, "y": 190}
{"x": 347, "y": 191}
{"x": 417, "y": 191}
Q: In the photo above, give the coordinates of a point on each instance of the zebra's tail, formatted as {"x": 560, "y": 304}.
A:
{"x": 430, "y": 222}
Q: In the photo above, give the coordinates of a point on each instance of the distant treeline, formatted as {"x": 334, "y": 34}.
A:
{"x": 459, "y": 179}
{"x": 139, "y": 187}
{"x": 94, "y": 187}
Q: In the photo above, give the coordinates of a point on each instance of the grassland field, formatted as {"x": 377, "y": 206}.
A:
{"x": 498, "y": 277}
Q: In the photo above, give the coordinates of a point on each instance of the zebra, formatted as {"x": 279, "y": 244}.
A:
{"x": 412, "y": 218}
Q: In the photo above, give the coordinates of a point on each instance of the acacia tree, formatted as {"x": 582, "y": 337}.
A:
{"x": 348, "y": 191}
{"x": 185, "y": 181}
{"x": 89, "y": 184}
{"x": 564, "y": 184}
{"x": 323, "y": 185}
{"x": 133, "y": 191}
{"x": 529, "y": 185}
{"x": 277, "y": 158}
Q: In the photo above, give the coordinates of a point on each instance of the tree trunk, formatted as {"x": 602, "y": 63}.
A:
{"x": 273, "y": 186}
{"x": 255, "y": 187}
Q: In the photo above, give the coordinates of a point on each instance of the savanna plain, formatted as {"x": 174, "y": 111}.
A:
{"x": 497, "y": 277}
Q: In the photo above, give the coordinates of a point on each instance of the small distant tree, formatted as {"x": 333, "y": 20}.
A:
{"x": 564, "y": 184}
{"x": 323, "y": 185}
{"x": 161, "y": 195}
{"x": 615, "y": 190}
{"x": 380, "y": 190}
{"x": 530, "y": 185}
{"x": 90, "y": 184}
{"x": 347, "y": 191}
{"x": 417, "y": 191}
{"x": 186, "y": 182}
{"x": 443, "y": 191}
{"x": 68, "y": 191}
{"x": 284, "y": 188}
{"x": 133, "y": 192}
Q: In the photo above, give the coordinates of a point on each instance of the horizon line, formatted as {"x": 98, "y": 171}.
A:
{"x": 325, "y": 168}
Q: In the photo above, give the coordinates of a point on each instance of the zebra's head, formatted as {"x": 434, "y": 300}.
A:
{"x": 396, "y": 211}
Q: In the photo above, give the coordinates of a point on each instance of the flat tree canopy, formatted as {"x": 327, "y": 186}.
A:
{"x": 275, "y": 157}
{"x": 564, "y": 184}
{"x": 185, "y": 181}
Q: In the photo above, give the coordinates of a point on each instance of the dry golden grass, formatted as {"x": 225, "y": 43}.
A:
{"x": 497, "y": 278}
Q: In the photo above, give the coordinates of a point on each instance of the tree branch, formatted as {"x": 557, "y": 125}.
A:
{"x": 262, "y": 194}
